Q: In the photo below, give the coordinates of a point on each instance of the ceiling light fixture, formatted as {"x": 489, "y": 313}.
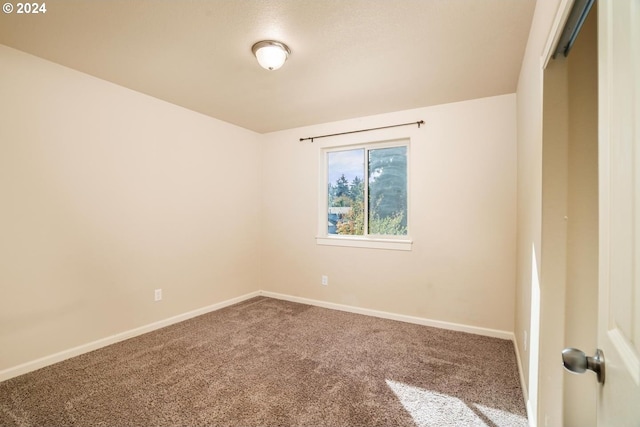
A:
{"x": 271, "y": 54}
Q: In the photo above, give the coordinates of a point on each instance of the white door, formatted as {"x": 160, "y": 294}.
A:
{"x": 619, "y": 199}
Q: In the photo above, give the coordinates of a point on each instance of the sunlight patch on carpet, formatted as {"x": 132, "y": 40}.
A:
{"x": 429, "y": 408}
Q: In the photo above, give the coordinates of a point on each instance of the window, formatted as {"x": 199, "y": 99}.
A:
{"x": 365, "y": 196}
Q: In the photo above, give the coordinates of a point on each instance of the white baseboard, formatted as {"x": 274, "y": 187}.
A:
{"x": 531, "y": 415}
{"x": 103, "y": 342}
{"x": 496, "y": 333}
{"x": 525, "y": 392}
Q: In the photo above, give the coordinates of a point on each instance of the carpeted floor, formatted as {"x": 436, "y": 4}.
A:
{"x": 266, "y": 362}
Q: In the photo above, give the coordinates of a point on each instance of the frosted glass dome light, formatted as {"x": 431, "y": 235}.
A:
{"x": 271, "y": 54}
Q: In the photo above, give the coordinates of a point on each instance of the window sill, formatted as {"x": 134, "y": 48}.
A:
{"x": 363, "y": 242}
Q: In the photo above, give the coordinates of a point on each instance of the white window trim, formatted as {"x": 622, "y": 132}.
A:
{"x": 401, "y": 243}
{"x": 365, "y": 242}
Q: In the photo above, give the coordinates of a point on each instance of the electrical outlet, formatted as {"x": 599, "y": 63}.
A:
{"x": 157, "y": 295}
{"x": 325, "y": 280}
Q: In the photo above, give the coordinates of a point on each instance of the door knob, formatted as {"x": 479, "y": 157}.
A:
{"x": 575, "y": 360}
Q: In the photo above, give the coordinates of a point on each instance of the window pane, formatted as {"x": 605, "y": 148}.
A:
{"x": 345, "y": 171}
{"x": 388, "y": 191}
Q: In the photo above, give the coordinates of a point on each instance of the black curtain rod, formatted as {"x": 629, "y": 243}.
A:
{"x": 419, "y": 123}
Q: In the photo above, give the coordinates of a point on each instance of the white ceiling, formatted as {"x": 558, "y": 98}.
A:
{"x": 350, "y": 58}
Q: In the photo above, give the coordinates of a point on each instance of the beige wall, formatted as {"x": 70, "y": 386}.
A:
{"x": 569, "y": 252}
{"x": 529, "y": 195}
{"x": 106, "y": 195}
{"x": 582, "y": 225}
{"x": 462, "y": 218}
{"x": 556, "y": 179}
{"x": 553, "y": 260}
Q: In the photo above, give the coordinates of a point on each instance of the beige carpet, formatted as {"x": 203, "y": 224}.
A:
{"x": 267, "y": 362}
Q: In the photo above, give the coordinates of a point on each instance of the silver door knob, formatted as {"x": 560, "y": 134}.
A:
{"x": 575, "y": 360}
